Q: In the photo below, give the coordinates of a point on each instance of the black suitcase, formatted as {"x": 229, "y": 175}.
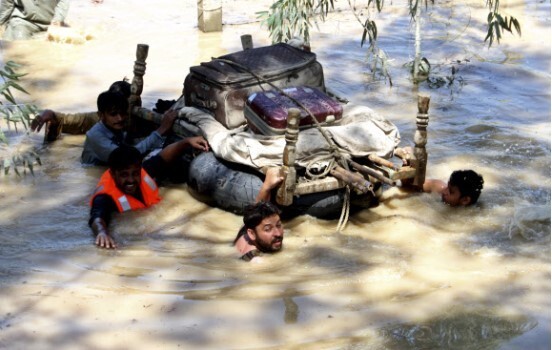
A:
{"x": 222, "y": 88}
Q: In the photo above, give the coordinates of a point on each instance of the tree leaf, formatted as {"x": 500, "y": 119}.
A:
{"x": 18, "y": 87}
{"x": 490, "y": 35}
{"x": 7, "y": 94}
{"x": 12, "y": 64}
{"x": 516, "y": 25}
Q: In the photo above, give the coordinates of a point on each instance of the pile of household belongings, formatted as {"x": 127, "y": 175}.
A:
{"x": 361, "y": 132}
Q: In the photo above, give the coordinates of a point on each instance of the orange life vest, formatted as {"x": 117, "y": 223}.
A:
{"x": 125, "y": 202}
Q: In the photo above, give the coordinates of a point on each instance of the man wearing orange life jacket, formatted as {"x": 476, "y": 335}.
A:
{"x": 124, "y": 202}
{"x": 129, "y": 184}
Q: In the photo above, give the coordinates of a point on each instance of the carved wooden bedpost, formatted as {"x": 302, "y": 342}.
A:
{"x": 420, "y": 140}
{"x": 137, "y": 84}
{"x": 285, "y": 191}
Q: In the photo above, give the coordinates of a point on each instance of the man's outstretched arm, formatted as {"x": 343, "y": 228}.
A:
{"x": 103, "y": 239}
{"x": 272, "y": 179}
{"x": 100, "y": 215}
{"x": 170, "y": 153}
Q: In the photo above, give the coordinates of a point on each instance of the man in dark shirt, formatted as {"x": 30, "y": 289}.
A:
{"x": 129, "y": 184}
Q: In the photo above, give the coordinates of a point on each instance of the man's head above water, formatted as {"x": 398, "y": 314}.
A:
{"x": 113, "y": 109}
{"x": 125, "y": 165}
{"x": 262, "y": 227}
{"x": 463, "y": 188}
{"x": 122, "y": 87}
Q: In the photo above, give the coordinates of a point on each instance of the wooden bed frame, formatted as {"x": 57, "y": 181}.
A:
{"x": 359, "y": 177}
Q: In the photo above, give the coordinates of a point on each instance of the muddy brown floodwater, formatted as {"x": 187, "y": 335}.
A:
{"x": 409, "y": 274}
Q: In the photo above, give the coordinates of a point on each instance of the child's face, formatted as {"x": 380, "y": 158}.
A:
{"x": 114, "y": 119}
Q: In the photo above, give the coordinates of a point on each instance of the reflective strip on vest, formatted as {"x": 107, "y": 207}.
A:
{"x": 148, "y": 180}
{"x": 125, "y": 205}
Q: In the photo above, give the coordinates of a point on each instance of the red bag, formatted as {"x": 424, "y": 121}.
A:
{"x": 266, "y": 112}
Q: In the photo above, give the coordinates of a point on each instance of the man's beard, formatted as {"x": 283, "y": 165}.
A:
{"x": 267, "y": 247}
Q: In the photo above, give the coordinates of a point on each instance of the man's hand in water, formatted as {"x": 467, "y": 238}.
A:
{"x": 47, "y": 117}
{"x": 103, "y": 240}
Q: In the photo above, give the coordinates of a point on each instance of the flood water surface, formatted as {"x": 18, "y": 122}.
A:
{"x": 411, "y": 273}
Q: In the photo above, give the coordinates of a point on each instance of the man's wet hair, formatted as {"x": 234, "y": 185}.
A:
{"x": 469, "y": 183}
{"x": 109, "y": 101}
{"x": 123, "y": 157}
{"x": 121, "y": 86}
{"x": 254, "y": 214}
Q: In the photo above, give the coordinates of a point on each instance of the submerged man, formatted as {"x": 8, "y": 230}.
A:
{"x": 129, "y": 184}
{"x": 463, "y": 188}
{"x": 24, "y": 18}
{"x": 262, "y": 231}
{"x": 109, "y": 133}
{"x": 56, "y": 123}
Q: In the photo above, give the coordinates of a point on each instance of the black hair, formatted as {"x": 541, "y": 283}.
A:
{"x": 121, "y": 86}
{"x": 469, "y": 183}
{"x": 254, "y": 214}
{"x": 124, "y": 156}
{"x": 109, "y": 101}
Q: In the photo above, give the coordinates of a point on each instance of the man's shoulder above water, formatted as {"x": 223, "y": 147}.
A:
{"x": 98, "y": 145}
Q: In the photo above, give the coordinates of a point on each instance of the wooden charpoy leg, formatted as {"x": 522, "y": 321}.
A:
{"x": 137, "y": 85}
{"x": 285, "y": 191}
{"x": 420, "y": 140}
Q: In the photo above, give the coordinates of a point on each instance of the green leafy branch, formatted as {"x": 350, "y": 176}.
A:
{"x": 289, "y": 18}
{"x": 497, "y": 23}
{"x": 413, "y": 6}
{"x": 26, "y": 160}
{"x": 440, "y": 76}
{"x": 15, "y": 114}
{"x": 377, "y": 58}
